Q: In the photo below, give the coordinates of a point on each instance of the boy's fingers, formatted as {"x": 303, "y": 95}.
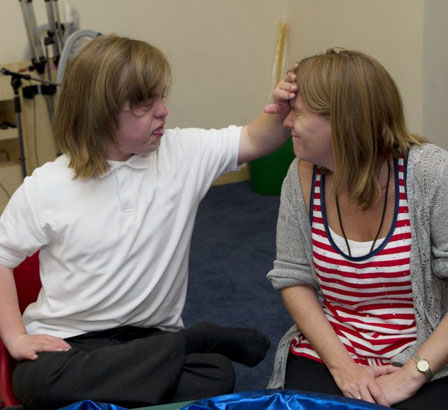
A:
{"x": 272, "y": 109}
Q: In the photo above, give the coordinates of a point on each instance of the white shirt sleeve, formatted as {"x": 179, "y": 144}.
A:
{"x": 21, "y": 233}
{"x": 207, "y": 154}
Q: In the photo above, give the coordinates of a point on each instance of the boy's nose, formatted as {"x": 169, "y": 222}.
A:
{"x": 161, "y": 110}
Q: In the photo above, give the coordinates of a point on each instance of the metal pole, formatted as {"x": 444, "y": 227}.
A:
{"x": 52, "y": 37}
{"x": 60, "y": 30}
{"x": 33, "y": 35}
{"x": 16, "y": 83}
{"x": 28, "y": 28}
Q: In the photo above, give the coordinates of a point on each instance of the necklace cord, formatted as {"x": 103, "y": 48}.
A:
{"x": 342, "y": 226}
{"x": 382, "y": 216}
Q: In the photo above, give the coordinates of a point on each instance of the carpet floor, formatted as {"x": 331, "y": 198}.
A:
{"x": 233, "y": 248}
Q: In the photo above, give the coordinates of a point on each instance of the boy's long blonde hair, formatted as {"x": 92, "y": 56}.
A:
{"x": 107, "y": 73}
{"x": 366, "y": 113}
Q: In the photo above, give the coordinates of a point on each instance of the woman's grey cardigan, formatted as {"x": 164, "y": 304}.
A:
{"x": 427, "y": 194}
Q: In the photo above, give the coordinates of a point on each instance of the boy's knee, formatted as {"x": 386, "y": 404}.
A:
{"x": 205, "y": 375}
{"x": 29, "y": 390}
{"x": 35, "y": 384}
{"x": 225, "y": 373}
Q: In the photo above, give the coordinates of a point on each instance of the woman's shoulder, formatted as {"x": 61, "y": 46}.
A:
{"x": 298, "y": 180}
{"x": 427, "y": 172}
{"x": 427, "y": 160}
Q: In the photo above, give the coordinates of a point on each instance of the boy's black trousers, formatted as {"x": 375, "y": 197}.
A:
{"x": 127, "y": 366}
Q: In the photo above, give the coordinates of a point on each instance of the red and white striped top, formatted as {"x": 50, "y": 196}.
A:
{"x": 367, "y": 299}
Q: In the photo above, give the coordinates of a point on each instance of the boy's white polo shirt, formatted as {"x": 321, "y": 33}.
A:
{"x": 114, "y": 249}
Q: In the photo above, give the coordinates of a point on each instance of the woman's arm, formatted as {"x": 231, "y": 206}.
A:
{"x": 352, "y": 379}
{"x": 432, "y": 169}
{"x": 19, "y": 343}
{"x": 407, "y": 380}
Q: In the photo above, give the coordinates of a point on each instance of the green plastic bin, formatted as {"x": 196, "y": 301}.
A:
{"x": 267, "y": 173}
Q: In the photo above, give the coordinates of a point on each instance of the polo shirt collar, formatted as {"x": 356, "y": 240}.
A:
{"x": 135, "y": 161}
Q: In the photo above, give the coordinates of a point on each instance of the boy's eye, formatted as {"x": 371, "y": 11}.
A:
{"x": 147, "y": 107}
{"x": 141, "y": 109}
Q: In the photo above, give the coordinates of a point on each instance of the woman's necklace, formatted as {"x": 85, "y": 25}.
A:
{"x": 382, "y": 216}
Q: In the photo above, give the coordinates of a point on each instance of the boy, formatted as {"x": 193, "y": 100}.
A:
{"x": 113, "y": 219}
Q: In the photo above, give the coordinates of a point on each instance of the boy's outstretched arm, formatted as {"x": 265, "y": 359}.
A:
{"x": 267, "y": 132}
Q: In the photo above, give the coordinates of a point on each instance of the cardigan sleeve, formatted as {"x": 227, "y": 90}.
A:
{"x": 292, "y": 264}
{"x": 439, "y": 212}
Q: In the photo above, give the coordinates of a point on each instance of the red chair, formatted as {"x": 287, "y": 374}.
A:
{"x": 28, "y": 284}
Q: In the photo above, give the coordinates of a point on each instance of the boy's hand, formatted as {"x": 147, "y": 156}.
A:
{"x": 28, "y": 346}
{"x": 283, "y": 94}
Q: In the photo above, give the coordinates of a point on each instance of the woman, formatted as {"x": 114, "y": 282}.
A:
{"x": 362, "y": 240}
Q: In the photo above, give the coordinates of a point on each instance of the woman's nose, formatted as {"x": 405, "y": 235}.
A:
{"x": 288, "y": 121}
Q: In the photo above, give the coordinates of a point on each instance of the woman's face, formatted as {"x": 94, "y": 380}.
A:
{"x": 311, "y": 135}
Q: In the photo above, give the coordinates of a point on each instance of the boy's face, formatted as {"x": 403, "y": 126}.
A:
{"x": 139, "y": 131}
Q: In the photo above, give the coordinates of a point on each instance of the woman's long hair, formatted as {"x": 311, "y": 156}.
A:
{"x": 365, "y": 109}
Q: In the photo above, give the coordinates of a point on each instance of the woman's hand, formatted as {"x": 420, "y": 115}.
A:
{"x": 283, "y": 94}
{"x": 401, "y": 384}
{"x": 28, "y": 346}
{"x": 360, "y": 382}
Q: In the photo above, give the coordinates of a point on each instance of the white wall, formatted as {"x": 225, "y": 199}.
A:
{"x": 221, "y": 52}
{"x": 435, "y": 72}
{"x": 389, "y": 30}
